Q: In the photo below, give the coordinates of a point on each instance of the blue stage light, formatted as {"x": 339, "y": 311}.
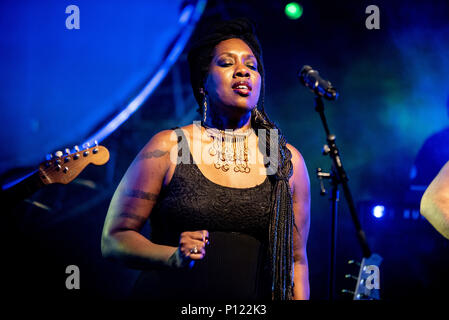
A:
{"x": 378, "y": 211}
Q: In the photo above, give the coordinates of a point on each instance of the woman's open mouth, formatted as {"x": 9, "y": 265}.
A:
{"x": 242, "y": 87}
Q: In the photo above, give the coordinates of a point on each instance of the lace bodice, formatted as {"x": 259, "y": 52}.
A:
{"x": 193, "y": 202}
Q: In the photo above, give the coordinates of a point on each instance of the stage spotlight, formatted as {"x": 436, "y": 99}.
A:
{"x": 293, "y": 10}
{"x": 378, "y": 211}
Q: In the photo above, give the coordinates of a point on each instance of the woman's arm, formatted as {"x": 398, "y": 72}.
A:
{"x": 435, "y": 202}
{"x": 131, "y": 205}
{"x": 300, "y": 184}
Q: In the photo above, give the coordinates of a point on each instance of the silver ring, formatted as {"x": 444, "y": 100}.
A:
{"x": 194, "y": 250}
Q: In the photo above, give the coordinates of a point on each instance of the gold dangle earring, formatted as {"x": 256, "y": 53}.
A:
{"x": 205, "y": 108}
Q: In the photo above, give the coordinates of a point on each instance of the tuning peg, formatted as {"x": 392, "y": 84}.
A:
{"x": 361, "y": 296}
{"x": 354, "y": 262}
{"x": 49, "y": 157}
{"x": 76, "y": 155}
{"x": 85, "y": 147}
{"x": 67, "y": 152}
{"x": 96, "y": 147}
{"x": 347, "y": 276}
{"x": 347, "y": 291}
{"x": 58, "y": 154}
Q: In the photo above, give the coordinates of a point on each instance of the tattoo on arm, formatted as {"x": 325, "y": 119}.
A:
{"x": 132, "y": 216}
{"x": 141, "y": 195}
{"x": 152, "y": 154}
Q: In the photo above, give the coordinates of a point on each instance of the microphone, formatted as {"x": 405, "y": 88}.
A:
{"x": 312, "y": 80}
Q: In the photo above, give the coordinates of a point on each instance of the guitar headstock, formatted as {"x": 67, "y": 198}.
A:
{"x": 368, "y": 280}
{"x": 65, "y": 167}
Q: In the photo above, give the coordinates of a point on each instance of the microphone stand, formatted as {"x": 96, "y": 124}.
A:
{"x": 338, "y": 177}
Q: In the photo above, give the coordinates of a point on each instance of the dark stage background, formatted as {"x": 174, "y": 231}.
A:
{"x": 391, "y": 123}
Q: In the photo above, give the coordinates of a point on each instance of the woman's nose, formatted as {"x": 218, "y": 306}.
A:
{"x": 242, "y": 71}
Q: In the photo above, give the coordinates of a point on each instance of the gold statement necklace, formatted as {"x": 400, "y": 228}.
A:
{"x": 229, "y": 148}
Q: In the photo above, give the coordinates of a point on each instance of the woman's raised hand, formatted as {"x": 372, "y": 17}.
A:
{"x": 192, "y": 246}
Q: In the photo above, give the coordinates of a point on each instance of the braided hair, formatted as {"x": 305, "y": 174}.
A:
{"x": 281, "y": 211}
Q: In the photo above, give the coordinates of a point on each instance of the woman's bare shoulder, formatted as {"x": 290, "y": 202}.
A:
{"x": 162, "y": 143}
{"x": 164, "y": 139}
{"x": 299, "y": 166}
{"x": 296, "y": 155}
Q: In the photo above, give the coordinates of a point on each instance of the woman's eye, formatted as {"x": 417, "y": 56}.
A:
{"x": 229, "y": 63}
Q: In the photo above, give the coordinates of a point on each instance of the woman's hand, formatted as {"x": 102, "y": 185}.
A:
{"x": 192, "y": 246}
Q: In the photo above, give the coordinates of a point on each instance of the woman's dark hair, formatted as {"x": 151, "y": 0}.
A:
{"x": 282, "y": 218}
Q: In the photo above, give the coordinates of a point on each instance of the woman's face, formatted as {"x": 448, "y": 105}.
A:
{"x": 233, "y": 79}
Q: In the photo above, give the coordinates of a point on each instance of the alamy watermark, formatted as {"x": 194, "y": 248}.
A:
{"x": 73, "y": 280}
{"x": 372, "y": 281}
{"x": 373, "y": 20}
{"x": 73, "y": 20}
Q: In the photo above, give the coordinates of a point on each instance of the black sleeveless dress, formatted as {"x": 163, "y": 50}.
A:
{"x": 236, "y": 264}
